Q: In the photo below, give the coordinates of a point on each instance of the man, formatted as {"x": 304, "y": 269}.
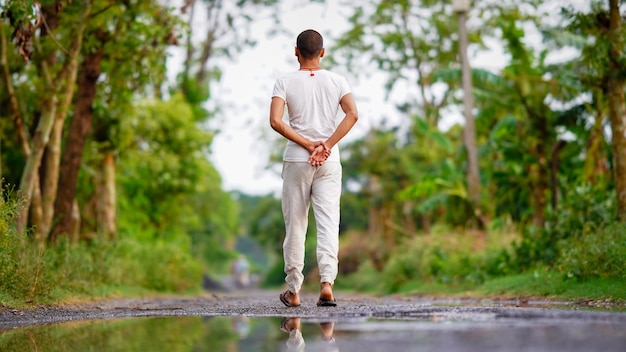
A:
{"x": 311, "y": 165}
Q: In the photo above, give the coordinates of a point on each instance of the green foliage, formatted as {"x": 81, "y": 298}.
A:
{"x": 275, "y": 275}
{"x": 365, "y": 279}
{"x": 262, "y": 219}
{"x": 30, "y": 272}
{"x": 584, "y": 212}
{"x": 20, "y": 260}
{"x": 168, "y": 187}
{"x": 461, "y": 260}
{"x": 162, "y": 265}
{"x": 600, "y": 253}
{"x": 39, "y": 275}
{"x": 404, "y": 267}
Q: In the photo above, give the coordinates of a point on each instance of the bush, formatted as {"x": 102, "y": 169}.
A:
{"x": 32, "y": 272}
{"x": 585, "y": 209}
{"x": 365, "y": 279}
{"x": 159, "y": 265}
{"x": 601, "y": 254}
{"x": 457, "y": 260}
{"x": 22, "y": 272}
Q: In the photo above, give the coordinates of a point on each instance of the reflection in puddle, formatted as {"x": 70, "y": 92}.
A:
{"x": 193, "y": 333}
{"x": 295, "y": 342}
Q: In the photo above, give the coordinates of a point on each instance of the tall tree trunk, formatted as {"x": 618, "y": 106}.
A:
{"x": 106, "y": 198}
{"x": 53, "y": 158}
{"x": 617, "y": 110}
{"x": 31, "y": 169}
{"x": 79, "y": 129}
{"x": 469, "y": 132}
{"x": 74, "y": 231}
{"x": 596, "y": 165}
{"x": 36, "y": 214}
{"x": 540, "y": 174}
{"x": 554, "y": 172}
{"x": 47, "y": 175}
{"x": 51, "y": 172}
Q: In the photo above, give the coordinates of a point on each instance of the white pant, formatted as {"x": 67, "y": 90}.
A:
{"x": 303, "y": 185}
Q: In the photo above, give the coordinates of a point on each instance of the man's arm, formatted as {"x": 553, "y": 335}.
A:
{"x": 277, "y": 109}
{"x": 349, "y": 108}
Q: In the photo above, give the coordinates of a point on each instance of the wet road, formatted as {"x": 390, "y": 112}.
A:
{"x": 257, "y": 319}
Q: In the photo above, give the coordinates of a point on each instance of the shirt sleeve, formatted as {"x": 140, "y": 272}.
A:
{"x": 279, "y": 89}
{"x": 344, "y": 87}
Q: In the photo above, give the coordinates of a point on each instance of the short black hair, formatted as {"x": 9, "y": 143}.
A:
{"x": 310, "y": 43}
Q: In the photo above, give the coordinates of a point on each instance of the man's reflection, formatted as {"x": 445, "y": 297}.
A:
{"x": 295, "y": 342}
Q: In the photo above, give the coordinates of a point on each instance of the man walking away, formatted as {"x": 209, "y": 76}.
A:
{"x": 311, "y": 165}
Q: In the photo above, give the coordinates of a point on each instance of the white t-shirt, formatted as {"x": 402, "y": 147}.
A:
{"x": 312, "y": 105}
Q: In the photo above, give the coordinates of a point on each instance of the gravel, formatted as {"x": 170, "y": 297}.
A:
{"x": 259, "y": 303}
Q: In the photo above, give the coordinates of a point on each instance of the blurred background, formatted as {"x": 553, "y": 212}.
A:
{"x": 136, "y": 154}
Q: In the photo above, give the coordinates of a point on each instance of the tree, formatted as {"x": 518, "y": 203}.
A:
{"x": 57, "y": 89}
{"x": 409, "y": 41}
{"x": 473, "y": 174}
{"x": 604, "y": 73}
{"x": 119, "y": 41}
{"x": 617, "y": 109}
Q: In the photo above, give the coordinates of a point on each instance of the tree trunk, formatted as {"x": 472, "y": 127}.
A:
{"x": 52, "y": 164}
{"x": 540, "y": 175}
{"x": 36, "y": 214}
{"x": 79, "y": 129}
{"x": 554, "y": 174}
{"x": 596, "y": 165}
{"x": 617, "y": 110}
{"x": 31, "y": 169}
{"x": 106, "y": 198}
{"x": 51, "y": 172}
{"x": 74, "y": 231}
{"x": 469, "y": 132}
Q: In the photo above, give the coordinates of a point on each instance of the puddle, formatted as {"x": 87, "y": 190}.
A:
{"x": 193, "y": 333}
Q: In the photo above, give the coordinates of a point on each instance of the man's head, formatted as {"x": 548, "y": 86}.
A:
{"x": 310, "y": 44}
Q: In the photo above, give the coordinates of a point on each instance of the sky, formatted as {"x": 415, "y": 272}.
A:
{"x": 241, "y": 150}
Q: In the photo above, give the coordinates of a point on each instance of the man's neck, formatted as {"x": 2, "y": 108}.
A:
{"x": 310, "y": 64}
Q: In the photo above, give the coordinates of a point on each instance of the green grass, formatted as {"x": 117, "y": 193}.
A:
{"x": 600, "y": 293}
{"x": 553, "y": 285}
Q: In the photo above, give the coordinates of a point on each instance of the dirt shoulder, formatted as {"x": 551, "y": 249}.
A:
{"x": 257, "y": 303}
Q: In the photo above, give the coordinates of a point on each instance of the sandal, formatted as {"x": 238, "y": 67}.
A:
{"x": 283, "y": 298}
{"x": 326, "y": 303}
{"x": 289, "y": 324}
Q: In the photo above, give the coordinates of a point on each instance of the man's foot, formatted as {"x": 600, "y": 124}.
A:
{"x": 326, "y": 295}
{"x": 327, "y": 331}
{"x": 289, "y": 324}
{"x": 290, "y": 299}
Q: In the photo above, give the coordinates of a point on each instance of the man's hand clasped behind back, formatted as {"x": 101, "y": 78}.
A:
{"x": 319, "y": 154}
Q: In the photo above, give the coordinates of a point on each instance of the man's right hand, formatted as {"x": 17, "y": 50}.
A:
{"x": 319, "y": 155}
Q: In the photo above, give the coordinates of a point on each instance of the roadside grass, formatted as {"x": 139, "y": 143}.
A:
{"x": 603, "y": 293}
{"x": 65, "y": 272}
{"x": 554, "y": 285}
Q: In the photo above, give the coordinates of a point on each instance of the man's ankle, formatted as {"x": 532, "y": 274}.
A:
{"x": 326, "y": 290}
{"x": 294, "y": 298}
